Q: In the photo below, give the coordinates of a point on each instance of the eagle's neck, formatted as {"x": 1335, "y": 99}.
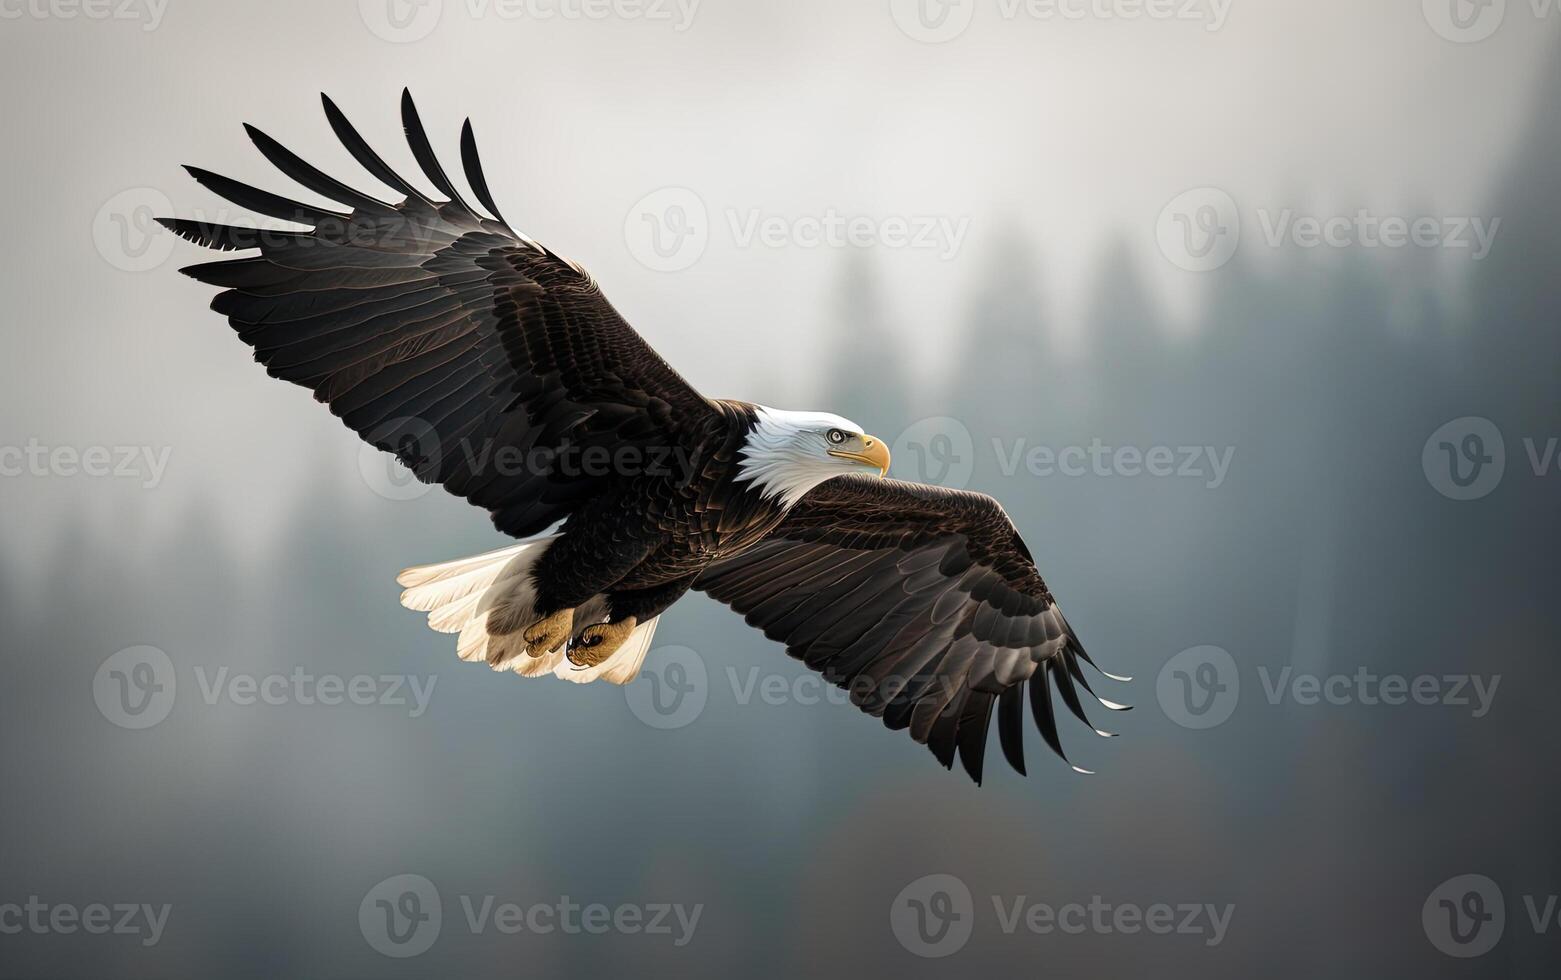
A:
{"x": 779, "y": 459}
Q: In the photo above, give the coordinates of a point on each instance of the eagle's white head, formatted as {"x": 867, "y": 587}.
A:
{"x": 786, "y": 454}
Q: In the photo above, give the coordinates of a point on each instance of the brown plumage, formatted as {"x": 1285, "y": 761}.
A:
{"x": 923, "y": 602}
{"x": 490, "y": 365}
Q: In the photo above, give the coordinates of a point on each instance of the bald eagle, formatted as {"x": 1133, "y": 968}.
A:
{"x": 492, "y": 366}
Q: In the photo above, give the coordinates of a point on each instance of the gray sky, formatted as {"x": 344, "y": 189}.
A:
{"x": 245, "y": 536}
{"x": 1070, "y": 132}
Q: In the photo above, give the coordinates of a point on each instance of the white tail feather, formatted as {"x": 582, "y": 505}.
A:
{"x": 465, "y": 595}
{"x": 458, "y": 595}
{"x": 423, "y": 574}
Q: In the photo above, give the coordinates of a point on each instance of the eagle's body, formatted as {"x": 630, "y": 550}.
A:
{"x": 494, "y": 367}
{"x": 671, "y": 519}
{"x": 672, "y": 522}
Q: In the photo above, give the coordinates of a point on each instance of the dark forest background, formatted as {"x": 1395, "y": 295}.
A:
{"x": 796, "y": 825}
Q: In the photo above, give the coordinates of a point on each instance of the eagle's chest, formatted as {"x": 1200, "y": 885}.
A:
{"x": 709, "y": 511}
{"x": 731, "y": 521}
{"x": 696, "y": 529}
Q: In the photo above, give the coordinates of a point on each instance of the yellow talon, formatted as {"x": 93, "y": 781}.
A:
{"x": 599, "y": 641}
{"x": 545, "y": 635}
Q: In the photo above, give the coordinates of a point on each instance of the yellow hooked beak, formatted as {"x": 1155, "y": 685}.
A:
{"x": 874, "y": 453}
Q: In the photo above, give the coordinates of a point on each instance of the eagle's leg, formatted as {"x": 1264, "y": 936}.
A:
{"x": 628, "y": 608}
{"x": 575, "y": 568}
{"x": 547, "y": 633}
{"x": 599, "y": 641}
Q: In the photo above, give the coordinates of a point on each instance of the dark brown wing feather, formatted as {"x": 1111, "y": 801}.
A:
{"x": 441, "y": 335}
{"x": 922, "y": 602}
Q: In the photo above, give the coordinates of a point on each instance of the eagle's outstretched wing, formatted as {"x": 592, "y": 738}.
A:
{"x": 479, "y": 357}
{"x": 923, "y": 603}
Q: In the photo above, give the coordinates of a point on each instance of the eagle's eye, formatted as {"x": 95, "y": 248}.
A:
{"x": 835, "y": 436}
